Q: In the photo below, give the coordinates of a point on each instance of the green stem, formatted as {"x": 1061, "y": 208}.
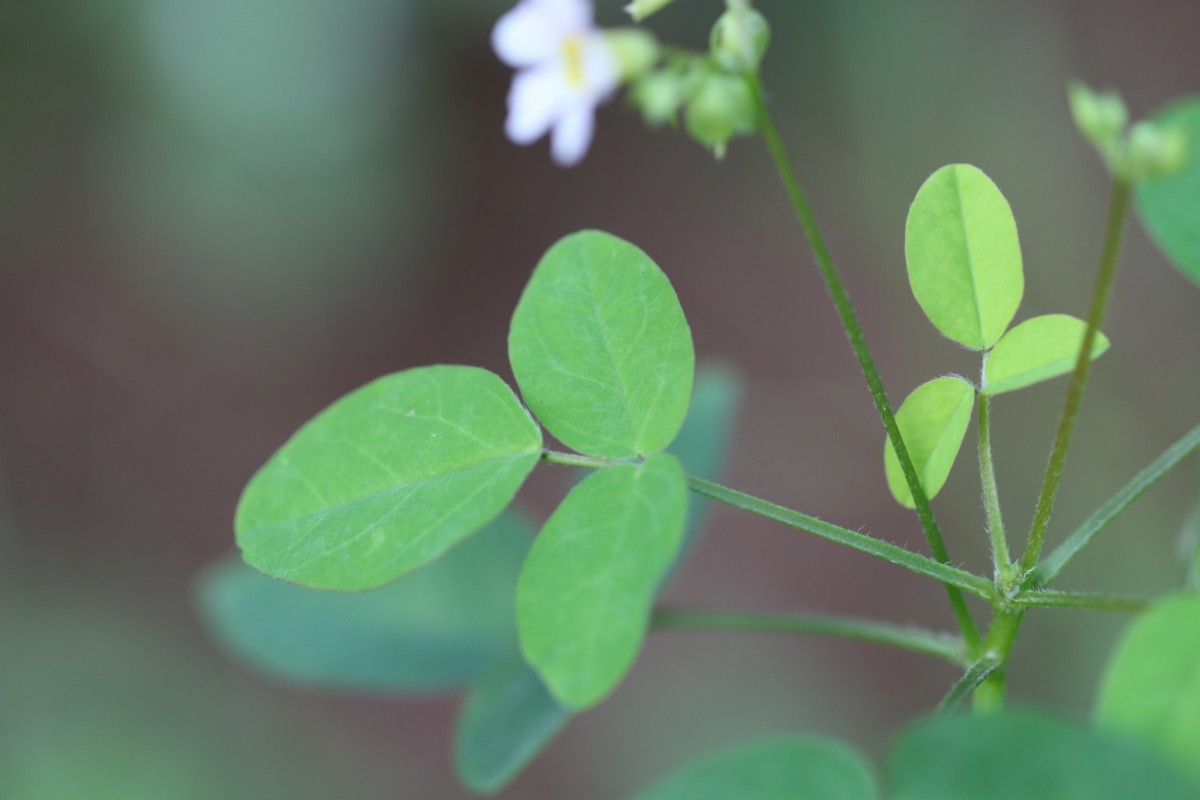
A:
{"x": 1050, "y": 567}
{"x": 858, "y": 343}
{"x": 945, "y": 573}
{"x": 1096, "y": 602}
{"x": 976, "y": 674}
{"x": 991, "y": 494}
{"x": 1105, "y": 278}
{"x": 997, "y": 647}
{"x": 942, "y": 645}
{"x": 577, "y": 460}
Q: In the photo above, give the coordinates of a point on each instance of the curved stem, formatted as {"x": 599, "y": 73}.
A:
{"x": 991, "y": 494}
{"x": 945, "y": 573}
{"x": 858, "y": 343}
{"x": 1105, "y": 277}
{"x": 942, "y": 645}
{"x": 1050, "y": 567}
{"x": 975, "y": 675}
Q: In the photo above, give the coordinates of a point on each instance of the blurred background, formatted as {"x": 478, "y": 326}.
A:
{"x": 216, "y": 218}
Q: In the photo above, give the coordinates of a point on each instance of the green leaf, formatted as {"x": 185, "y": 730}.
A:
{"x": 1151, "y": 689}
{"x": 505, "y": 722}
{"x": 1170, "y": 207}
{"x": 964, "y": 258}
{"x": 600, "y": 348}
{"x": 1037, "y": 350}
{"x": 780, "y": 768}
{"x": 1021, "y": 756}
{"x": 435, "y": 630}
{"x": 933, "y": 421}
{"x": 586, "y": 591}
{"x": 388, "y": 478}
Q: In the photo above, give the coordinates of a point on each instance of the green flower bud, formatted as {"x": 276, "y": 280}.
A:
{"x": 740, "y": 38}
{"x": 1154, "y": 151}
{"x": 640, "y": 9}
{"x": 721, "y": 108}
{"x": 1100, "y": 117}
{"x": 659, "y": 96}
{"x": 636, "y": 51}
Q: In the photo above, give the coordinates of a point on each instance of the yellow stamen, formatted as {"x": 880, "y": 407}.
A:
{"x": 572, "y": 54}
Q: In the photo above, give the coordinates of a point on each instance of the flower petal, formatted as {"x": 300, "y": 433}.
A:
{"x": 534, "y": 102}
{"x": 573, "y": 134}
{"x": 533, "y": 31}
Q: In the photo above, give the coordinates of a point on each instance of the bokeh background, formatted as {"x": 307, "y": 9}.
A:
{"x": 217, "y": 217}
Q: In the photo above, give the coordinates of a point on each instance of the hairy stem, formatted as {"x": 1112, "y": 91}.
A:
{"x": 976, "y": 674}
{"x": 997, "y": 647}
{"x": 952, "y": 576}
{"x": 1105, "y": 278}
{"x": 991, "y": 494}
{"x": 1094, "y": 601}
{"x": 858, "y": 343}
{"x": 942, "y": 645}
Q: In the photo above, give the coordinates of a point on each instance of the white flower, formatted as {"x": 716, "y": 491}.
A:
{"x": 565, "y": 69}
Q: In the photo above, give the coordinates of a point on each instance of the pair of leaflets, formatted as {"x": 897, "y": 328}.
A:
{"x": 965, "y": 270}
{"x": 407, "y": 471}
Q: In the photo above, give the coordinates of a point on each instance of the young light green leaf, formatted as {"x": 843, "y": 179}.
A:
{"x": 504, "y": 723}
{"x": 601, "y": 349}
{"x": 1037, "y": 350}
{"x": 1170, "y": 207}
{"x": 1150, "y": 689}
{"x": 434, "y": 631}
{"x": 585, "y": 594}
{"x": 933, "y": 421}
{"x": 1022, "y": 756}
{"x": 388, "y": 478}
{"x": 780, "y": 768}
{"x": 964, "y": 258}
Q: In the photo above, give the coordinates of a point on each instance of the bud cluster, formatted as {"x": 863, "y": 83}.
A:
{"x": 1144, "y": 150}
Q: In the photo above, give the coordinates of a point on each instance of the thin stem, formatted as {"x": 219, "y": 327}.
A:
{"x": 945, "y": 573}
{"x": 858, "y": 343}
{"x": 577, "y": 460}
{"x": 942, "y": 645}
{"x": 991, "y": 494}
{"x": 1105, "y": 278}
{"x": 976, "y": 674}
{"x": 1050, "y": 567}
{"x": 997, "y": 647}
{"x": 1096, "y": 602}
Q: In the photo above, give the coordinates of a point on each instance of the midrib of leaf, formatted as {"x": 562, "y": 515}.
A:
{"x": 962, "y": 218}
{"x": 634, "y": 429}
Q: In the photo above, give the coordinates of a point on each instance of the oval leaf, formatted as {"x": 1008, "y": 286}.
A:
{"x": 1037, "y": 350}
{"x": 436, "y": 630}
{"x": 586, "y": 591}
{"x": 505, "y": 722}
{"x": 933, "y": 421}
{"x": 1021, "y": 756}
{"x": 388, "y": 478}
{"x": 779, "y": 768}
{"x": 1152, "y": 685}
{"x": 601, "y": 349}
{"x": 1170, "y": 207}
{"x": 964, "y": 258}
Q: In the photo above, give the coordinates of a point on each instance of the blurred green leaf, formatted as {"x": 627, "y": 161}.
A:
{"x": 435, "y": 630}
{"x": 1170, "y": 207}
{"x": 1037, "y": 350}
{"x": 933, "y": 421}
{"x": 601, "y": 349}
{"x": 1022, "y": 756}
{"x": 1151, "y": 688}
{"x": 586, "y": 590}
{"x": 964, "y": 257}
{"x": 388, "y": 478}
{"x": 780, "y": 768}
{"x": 504, "y": 723}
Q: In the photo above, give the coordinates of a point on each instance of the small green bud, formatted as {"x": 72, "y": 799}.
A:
{"x": 740, "y": 38}
{"x": 659, "y": 96}
{"x": 1154, "y": 151}
{"x": 1100, "y": 117}
{"x": 640, "y": 9}
{"x": 721, "y": 108}
{"x": 636, "y": 51}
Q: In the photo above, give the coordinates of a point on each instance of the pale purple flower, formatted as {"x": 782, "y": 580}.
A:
{"x": 565, "y": 68}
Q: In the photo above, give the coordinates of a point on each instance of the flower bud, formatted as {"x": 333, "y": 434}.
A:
{"x": 721, "y": 108}
{"x": 1100, "y": 117}
{"x": 635, "y": 51}
{"x": 659, "y": 96}
{"x": 1154, "y": 151}
{"x": 640, "y": 9}
{"x": 740, "y": 38}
